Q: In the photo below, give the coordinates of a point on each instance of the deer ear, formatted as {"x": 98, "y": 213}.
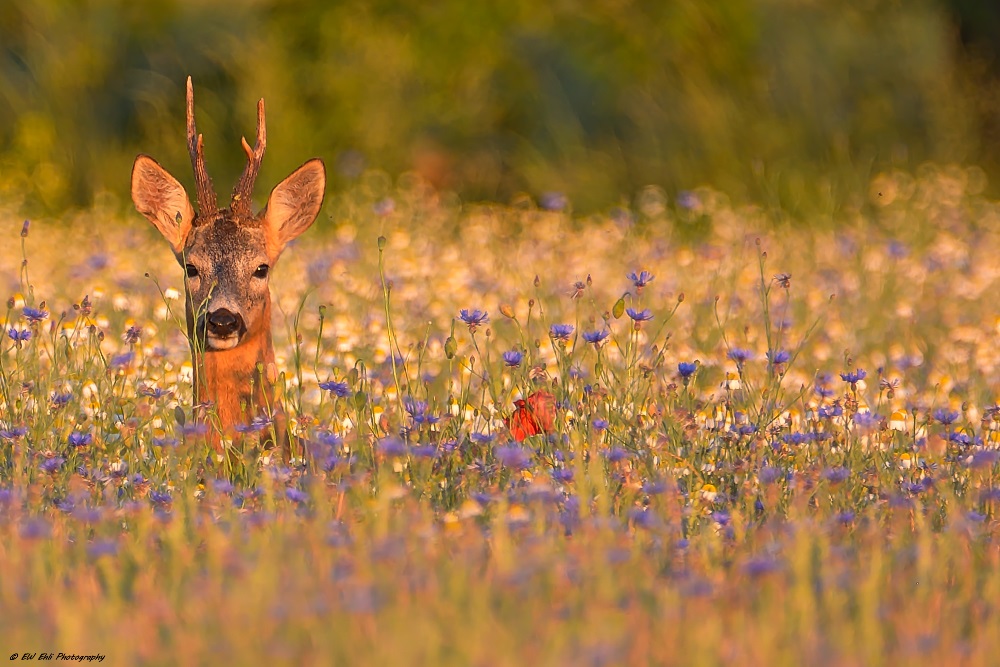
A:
{"x": 162, "y": 199}
{"x": 293, "y": 205}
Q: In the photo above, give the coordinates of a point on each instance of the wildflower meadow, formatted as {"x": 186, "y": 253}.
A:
{"x": 680, "y": 431}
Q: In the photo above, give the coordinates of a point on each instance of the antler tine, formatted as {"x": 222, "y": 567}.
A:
{"x": 207, "y": 202}
{"x": 244, "y": 187}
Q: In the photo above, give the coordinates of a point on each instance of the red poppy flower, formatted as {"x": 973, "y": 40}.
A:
{"x": 532, "y": 415}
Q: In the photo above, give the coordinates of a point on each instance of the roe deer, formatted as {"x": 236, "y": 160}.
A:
{"x": 227, "y": 254}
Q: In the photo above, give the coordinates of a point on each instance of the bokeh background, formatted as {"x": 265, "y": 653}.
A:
{"x": 793, "y": 104}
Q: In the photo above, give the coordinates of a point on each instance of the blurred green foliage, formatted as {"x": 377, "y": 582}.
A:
{"x": 792, "y": 103}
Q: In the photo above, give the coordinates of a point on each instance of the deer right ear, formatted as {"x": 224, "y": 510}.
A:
{"x": 162, "y": 199}
{"x": 293, "y": 205}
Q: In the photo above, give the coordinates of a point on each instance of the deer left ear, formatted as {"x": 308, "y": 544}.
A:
{"x": 293, "y": 205}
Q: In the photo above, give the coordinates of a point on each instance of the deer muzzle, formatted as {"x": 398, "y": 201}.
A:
{"x": 223, "y": 329}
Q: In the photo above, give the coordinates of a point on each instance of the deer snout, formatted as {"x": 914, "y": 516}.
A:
{"x": 224, "y": 323}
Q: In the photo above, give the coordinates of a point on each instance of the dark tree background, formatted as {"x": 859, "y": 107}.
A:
{"x": 789, "y": 103}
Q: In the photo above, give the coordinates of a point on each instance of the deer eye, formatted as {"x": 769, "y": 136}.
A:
{"x": 261, "y": 271}
{"x": 192, "y": 272}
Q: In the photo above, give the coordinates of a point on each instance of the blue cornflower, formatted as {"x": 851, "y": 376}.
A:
{"x": 769, "y": 474}
{"x": 946, "y": 417}
{"x": 778, "y": 357}
{"x": 596, "y": 337}
{"x": 599, "y": 424}
{"x": 52, "y": 465}
{"x": 325, "y": 443}
{"x": 67, "y": 504}
{"x": 78, "y": 439}
{"x": 854, "y": 376}
{"x": 59, "y": 399}
{"x": 414, "y": 406}
{"x": 160, "y": 497}
{"x": 424, "y": 452}
{"x": 481, "y": 438}
{"x": 34, "y": 315}
{"x": 513, "y": 358}
{"x": 561, "y": 331}
{"x": 338, "y": 389}
{"x": 867, "y": 420}
{"x": 18, "y": 335}
{"x": 153, "y": 392}
{"x": 392, "y": 446}
{"x": 418, "y": 412}
{"x": 686, "y": 369}
{"x": 984, "y": 458}
{"x": 296, "y": 495}
{"x": 846, "y": 517}
{"x": 100, "y": 548}
{"x": 828, "y": 411}
{"x": 329, "y": 439}
{"x": 513, "y": 456}
{"x": 740, "y": 355}
{"x": 960, "y": 438}
{"x": 562, "y": 475}
{"x": 35, "y": 528}
{"x": 121, "y": 360}
{"x": 194, "y": 429}
{"x": 655, "y": 487}
{"x": 616, "y": 454}
{"x": 641, "y": 517}
{"x": 823, "y": 392}
{"x": 255, "y": 425}
{"x": 481, "y": 497}
{"x": 333, "y": 460}
{"x": 87, "y": 514}
{"x": 475, "y": 318}
{"x": 13, "y": 433}
{"x": 640, "y": 315}
{"x": 836, "y": 475}
{"x": 760, "y": 566}
{"x": 640, "y": 279}
{"x": 720, "y": 517}
{"x": 165, "y": 441}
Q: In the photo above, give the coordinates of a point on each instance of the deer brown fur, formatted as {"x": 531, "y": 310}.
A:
{"x": 227, "y": 255}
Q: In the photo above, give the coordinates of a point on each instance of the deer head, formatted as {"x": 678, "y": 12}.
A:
{"x": 227, "y": 253}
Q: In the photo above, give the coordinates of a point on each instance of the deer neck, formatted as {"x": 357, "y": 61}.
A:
{"x": 239, "y": 382}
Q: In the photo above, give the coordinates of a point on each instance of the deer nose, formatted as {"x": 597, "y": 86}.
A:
{"x": 224, "y": 323}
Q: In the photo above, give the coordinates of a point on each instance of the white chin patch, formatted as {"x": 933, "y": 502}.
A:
{"x": 217, "y": 343}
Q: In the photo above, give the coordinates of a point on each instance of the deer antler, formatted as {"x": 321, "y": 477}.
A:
{"x": 207, "y": 203}
{"x": 244, "y": 187}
